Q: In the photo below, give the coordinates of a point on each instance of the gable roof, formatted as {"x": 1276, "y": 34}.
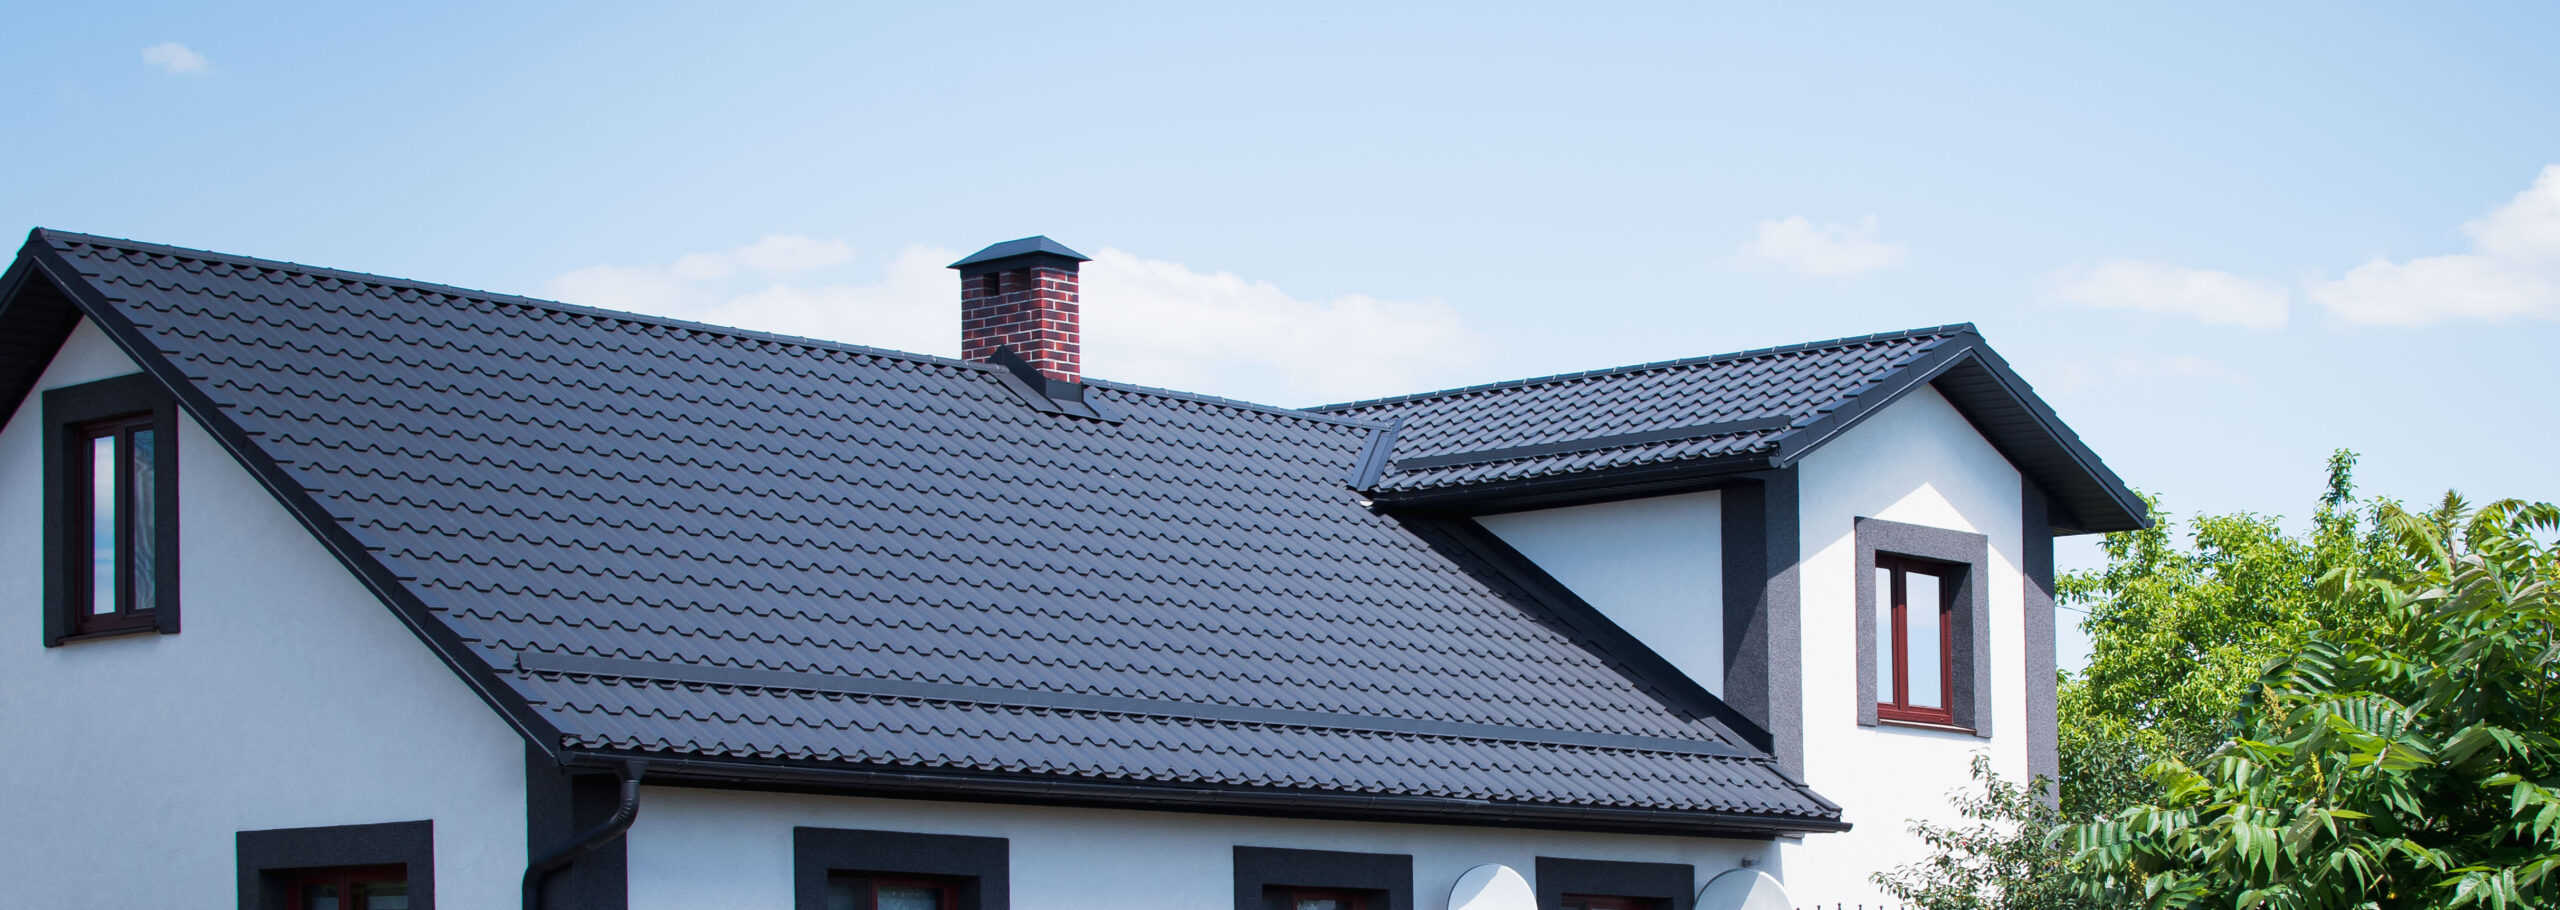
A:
{"x": 1661, "y": 424}
{"x": 758, "y": 558}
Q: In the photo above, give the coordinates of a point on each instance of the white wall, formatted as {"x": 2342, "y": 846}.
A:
{"x": 292, "y": 698}
{"x": 1654, "y": 566}
{"x": 1918, "y": 462}
{"x": 694, "y": 848}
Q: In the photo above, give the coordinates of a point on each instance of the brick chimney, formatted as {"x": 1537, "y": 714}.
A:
{"x": 1020, "y": 296}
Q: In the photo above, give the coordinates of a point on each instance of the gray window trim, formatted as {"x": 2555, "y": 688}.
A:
{"x": 1671, "y": 886}
{"x": 1256, "y": 868}
{"x": 265, "y": 856}
{"x": 980, "y": 865}
{"x": 1971, "y": 700}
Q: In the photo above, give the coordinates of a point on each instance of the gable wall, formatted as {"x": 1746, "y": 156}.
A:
{"x": 1654, "y": 566}
{"x": 292, "y": 698}
{"x": 1919, "y": 462}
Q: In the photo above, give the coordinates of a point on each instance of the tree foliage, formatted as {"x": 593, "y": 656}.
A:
{"x": 2400, "y": 756}
{"x": 2177, "y": 634}
{"x": 2002, "y": 857}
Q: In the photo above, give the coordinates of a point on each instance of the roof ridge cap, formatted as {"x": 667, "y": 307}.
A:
{"x": 1954, "y": 328}
{"x": 50, "y": 234}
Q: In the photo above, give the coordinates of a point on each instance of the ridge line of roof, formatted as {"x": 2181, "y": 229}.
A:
{"x": 670, "y": 322}
{"x": 1955, "y": 328}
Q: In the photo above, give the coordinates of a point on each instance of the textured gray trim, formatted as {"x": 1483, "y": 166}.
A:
{"x": 1387, "y": 875}
{"x": 1670, "y": 886}
{"x": 559, "y": 806}
{"x": 982, "y": 867}
{"x": 263, "y": 857}
{"x": 2044, "y": 755}
{"x": 1971, "y": 699}
{"x": 1763, "y": 612}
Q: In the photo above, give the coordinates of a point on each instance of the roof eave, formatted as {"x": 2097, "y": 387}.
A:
{"x": 925, "y": 783}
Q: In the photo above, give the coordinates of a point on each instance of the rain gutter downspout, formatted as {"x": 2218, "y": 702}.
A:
{"x": 540, "y": 870}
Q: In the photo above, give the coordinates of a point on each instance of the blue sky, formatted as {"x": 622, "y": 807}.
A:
{"x": 2221, "y": 239}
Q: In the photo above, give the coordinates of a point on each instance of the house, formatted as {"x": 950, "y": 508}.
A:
{"x": 491, "y": 601}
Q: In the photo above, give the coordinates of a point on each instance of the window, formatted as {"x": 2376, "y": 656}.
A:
{"x": 843, "y": 869}
{"x": 349, "y": 888}
{"x": 1273, "y": 878}
{"x": 1597, "y": 902}
{"x": 342, "y": 867}
{"x": 1592, "y": 884}
{"x": 1923, "y": 637}
{"x": 1915, "y": 669}
{"x": 863, "y": 892}
{"x": 111, "y": 509}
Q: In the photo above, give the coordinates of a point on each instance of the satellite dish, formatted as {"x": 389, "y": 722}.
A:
{"x": 1745, "y": 889}
{"x": 1493, "y": 886}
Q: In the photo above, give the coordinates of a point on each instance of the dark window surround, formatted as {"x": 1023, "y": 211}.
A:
{"x": 1669, "y": 886}
{"x": 269, "y": 858}
{"x": 1892, "y": 696}
{"x": 66, "y": 409}
{"x": 1386, "y": 875}
{"x": 1969, "y": 638}
{"x": 977, "y": 865}
{"x": 347, "y": 880}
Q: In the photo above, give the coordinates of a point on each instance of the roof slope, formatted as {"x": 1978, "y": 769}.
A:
{"x": 655, "y": 538}
{"x": 1730, "y": 412}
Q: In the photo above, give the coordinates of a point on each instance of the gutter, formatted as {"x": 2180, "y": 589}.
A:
{"x": 1303, "y": 803}
{"x": 541, "y": 870}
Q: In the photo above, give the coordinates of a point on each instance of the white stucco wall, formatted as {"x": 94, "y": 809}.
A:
{"x": 1919, "y": 462}
{"x": 1654, "y": 566}
{"x": 292, "y": 698}
{"x": 696, "y": 848}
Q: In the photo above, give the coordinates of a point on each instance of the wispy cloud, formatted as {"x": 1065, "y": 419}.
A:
{"x": 1796, "y": 244}
{"x": 1145, "y": 321}
{"x": 2206, "y": 295}
{"x": 2512, "y": 271}
{"x": 175, "y": 59}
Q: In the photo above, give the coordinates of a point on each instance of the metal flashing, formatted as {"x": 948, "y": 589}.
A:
{"x": 1595, "y": 443}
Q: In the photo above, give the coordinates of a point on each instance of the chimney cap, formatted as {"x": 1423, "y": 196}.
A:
{"x": 1027, "y": 246}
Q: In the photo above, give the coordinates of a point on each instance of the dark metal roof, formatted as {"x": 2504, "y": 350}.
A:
{"x": 1682, "y": 421}
{"x": 1023, "y": 247}
{"x": 789, "y": 560}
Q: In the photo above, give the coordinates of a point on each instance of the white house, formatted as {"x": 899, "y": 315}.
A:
{"x": 491, "y": 601}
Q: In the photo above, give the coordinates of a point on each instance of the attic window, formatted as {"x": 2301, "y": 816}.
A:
{"x": 111, "y": 509}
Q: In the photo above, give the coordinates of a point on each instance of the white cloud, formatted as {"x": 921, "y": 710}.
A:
{"x": 2513, "y": 271}
{"x": 2209, "y": 296}
{"x": 1145, "y": 321}
{"x": 2063, "y": 377}
{"x": 174, "y": 58}
{"x": 1795, "y": 244}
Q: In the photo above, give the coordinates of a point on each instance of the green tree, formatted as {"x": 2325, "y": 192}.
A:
{"x": 2178, "y": 634}
{"x": 2402, "y": 759}
{"x": 2002, "y": 857}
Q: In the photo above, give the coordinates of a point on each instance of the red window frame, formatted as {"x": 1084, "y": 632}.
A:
{"x": 124, "y": 615}
{"x": 345, "y": 877}
{"x": 1606, "y": 902}
{"x": 1893, "y": 696}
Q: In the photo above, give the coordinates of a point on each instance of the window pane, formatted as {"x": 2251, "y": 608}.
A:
{"x": 383, "y": 896}
{"x": 1928, "y": 652}
{"x": 1323, "y": 903}
{"x": 910, "y": 897}
{"x": 1885, "y": 637}
{"x": 144, "y": 591}
{"x": 320, "y": 897}
{"x": 102, "y": 524}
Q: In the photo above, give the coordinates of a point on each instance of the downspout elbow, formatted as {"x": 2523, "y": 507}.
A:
{"x": 541, "y": 870}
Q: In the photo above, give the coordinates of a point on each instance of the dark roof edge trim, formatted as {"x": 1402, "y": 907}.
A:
{"x": 1596, "y": 443}
{"x": 1954, "y": 329}
{"x": 797, "y": 681}
{"x": 1291, "y": 803}
{"x": 2081, "y": 455}
{"x": 1599, "y": 485}
{"x": 298, "y": 502}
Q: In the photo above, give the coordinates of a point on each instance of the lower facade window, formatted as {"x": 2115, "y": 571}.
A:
{"x": 349, "y": 888}
{"x": 1279, "y": 897}
{"x": 1915, "y": 624}
{"x": 1602, "y": 902}
{"x": 1592, "y": 884}
{"x": 851, "y": 869}
{"x": 866, "y": 892}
